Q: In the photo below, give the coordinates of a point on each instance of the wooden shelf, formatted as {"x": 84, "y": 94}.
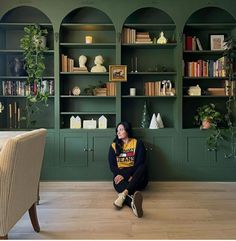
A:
{"x": 88, "y": 113}
{"x": 14, "y": 51}
{"x": 88, "y": 26}
{"x": 84, "y": 73}
{"x": 151, "y": 45}
{"x": 211, "y": 25}
{"x": 86, "y": 96}
{"x": 152, "y": 73}
{"x": 89, "y": 46}
{"x": 24, "y": 77}
{"x": 20, "y": 26}
{"x": 206, "y": 96}
{"x": 149, "y": 26}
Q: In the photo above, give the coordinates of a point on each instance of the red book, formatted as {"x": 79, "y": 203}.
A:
{"x": 189, "y": 43}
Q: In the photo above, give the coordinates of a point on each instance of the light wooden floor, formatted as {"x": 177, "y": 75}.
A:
{"x": 172, "y": 210}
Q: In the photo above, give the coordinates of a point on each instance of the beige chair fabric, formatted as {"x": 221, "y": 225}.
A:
{"x": 20, "y": 166}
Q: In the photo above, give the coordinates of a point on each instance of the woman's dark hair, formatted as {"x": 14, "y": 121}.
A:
{"x": 118, "y": 142}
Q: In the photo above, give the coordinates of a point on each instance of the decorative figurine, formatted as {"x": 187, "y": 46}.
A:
{"x": 161, "y": 39}
{"x": 82, "y": 62}
{"x": 102, "y": 122}
{"x": 98, "y": 64}
{"x": 159, "y": 121}
{"x": 1, "y": 107}
{"x": 153, "y": 123}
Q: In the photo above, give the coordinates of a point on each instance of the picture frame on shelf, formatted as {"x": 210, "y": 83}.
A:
{"x": 118, "y": 73}
{"x": 217, "y": 41}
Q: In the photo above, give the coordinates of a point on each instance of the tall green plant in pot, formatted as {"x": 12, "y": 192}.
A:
{"x": 33, "y": 47}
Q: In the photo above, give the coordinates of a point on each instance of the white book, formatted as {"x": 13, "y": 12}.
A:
{"x": 199, "y": 44}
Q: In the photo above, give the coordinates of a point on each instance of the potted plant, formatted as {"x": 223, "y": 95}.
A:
{"x": 209, "y": 118}
{"x": 33, "y": 45}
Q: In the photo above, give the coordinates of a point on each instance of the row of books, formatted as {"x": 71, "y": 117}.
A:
{"x": 228, "y": 90}
{"x": 192, "y": 43}
{"x": 20, "y": 88}
{"x": 205, "y": 68}
{"x": 68, "y": 65}
{"x": 131, "y": 36}
{"x": 153, "y": 88}
{"x": 14, "y": 112}
{"x": 111, "y": 88}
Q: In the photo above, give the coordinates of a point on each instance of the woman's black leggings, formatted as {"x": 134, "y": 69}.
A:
{"x": 138, "y": 182}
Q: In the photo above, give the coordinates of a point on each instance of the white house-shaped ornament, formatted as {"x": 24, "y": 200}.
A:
{"x": 77, "y": 122}
{"x": 102, "y": 122}
{"x": 72, "y": 122}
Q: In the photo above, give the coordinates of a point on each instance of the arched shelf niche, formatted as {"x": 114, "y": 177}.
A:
{"x": 210, "y": 20}
{"x": 75, "y": 27}
{"x": 203, "y": 45}
{"x": 148, "y": 64}
{"x": 12, "y": 26}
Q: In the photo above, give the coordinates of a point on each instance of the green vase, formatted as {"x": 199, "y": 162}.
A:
{"x": 145, "y": 117}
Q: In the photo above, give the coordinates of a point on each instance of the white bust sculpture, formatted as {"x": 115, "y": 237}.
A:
{"x": 82, "y": 62}
{"x": 98, "y": 61}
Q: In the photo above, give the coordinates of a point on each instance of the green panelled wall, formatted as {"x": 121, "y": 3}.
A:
{"x": 177, "y": 152}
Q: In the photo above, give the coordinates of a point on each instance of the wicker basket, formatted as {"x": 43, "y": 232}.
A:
{"x": 100, "y": 92}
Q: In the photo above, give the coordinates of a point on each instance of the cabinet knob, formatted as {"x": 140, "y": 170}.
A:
{"x": 85, "y": 149}
{"x": 150, "y": 148}
{"x": 90, "y": 149}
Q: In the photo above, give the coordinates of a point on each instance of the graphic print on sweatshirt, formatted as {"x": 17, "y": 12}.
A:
{"x": 126, "y": 158}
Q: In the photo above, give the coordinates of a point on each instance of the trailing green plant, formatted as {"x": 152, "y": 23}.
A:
{"x": 223, "y": 127}
{"x": 230, "y": 116}
{"x": 34, "y": 63}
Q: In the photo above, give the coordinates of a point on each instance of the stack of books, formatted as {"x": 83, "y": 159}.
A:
{"x": 143, "y": 38}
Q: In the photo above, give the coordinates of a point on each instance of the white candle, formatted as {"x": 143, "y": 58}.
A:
{"x": 88, "y": 39}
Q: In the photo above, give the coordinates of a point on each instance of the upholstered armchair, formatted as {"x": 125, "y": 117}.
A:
{"x": 20, "y": 165}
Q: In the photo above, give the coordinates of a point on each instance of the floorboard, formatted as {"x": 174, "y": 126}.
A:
{"x": 172, "y": 210}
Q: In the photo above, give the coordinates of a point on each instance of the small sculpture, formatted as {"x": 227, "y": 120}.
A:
{"x": 161, "y": 39}
{"x": 98, "y": 64}
{"x": 17, "y": 67}
{"x": 82, "y": 62}
{"x": 75, "y": 122}
{"x": 167, "y": 88}
{"x": 1, "y": 107}
{"x": 102, "y": 122}
{"x": 153, "y": 123}
{"x": 159, "y": 121}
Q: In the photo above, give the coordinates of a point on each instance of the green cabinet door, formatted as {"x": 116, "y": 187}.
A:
{"x": 51, "y": 157}
{"x": 98, "y": 147}
{"x": 73, "y": 149}
{"x": 84, "y": 154}
{"x": 162, "y": 156}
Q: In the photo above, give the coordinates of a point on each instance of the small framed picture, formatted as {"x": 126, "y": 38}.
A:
{"x": 117, "y": 72}
{"x": 217, "y": 41}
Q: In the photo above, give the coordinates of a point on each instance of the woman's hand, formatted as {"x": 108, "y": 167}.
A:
{"x": 118, "y": 179}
